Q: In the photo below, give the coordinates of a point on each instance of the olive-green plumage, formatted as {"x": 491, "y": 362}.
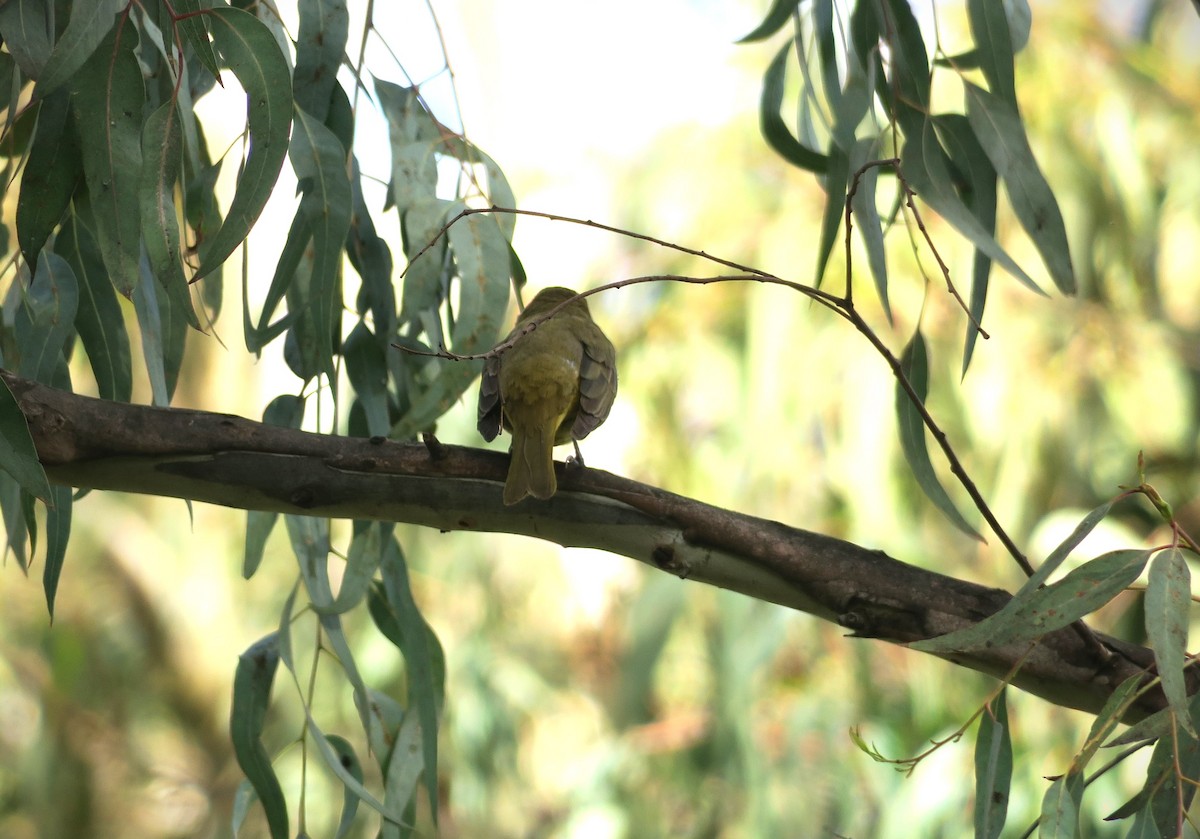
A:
{"x": 555, "y": 384}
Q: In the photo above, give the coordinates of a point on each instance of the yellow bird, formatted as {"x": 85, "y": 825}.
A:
{"x": 556, "y": 384}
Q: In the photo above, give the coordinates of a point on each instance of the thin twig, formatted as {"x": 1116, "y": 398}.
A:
{"x": 830, "y": 301}
{"x": 629, "y": 234}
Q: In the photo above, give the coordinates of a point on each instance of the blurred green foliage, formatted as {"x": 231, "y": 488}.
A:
{"x": 587, "y": 697}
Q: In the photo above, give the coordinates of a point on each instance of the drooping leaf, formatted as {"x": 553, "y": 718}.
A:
{"x": 409, "y": 121}
{"x": 309, "y": 537}
{"x": 108, "y": 97}
{"x": 352, "y": 784}
{"x": 58, "y": 533}
{"x": 853, "y": 102}
{"x": 776, "y": 17}
{"x": 405, "y": 764}
{"x": 1168, "y": 608}
{"x": 994, "y": 47}
{"x": 481, "y": 254}
{"x": 335, "y": 638}
{"x": 978, "y": 179}
{"x": 866, "y": 217}
{"x": 148, "y": 306}
{"x": 18, "y": 455}
{"x": 926, "y": 167}
{"x": 497, "y": 189}
{"x": 426, "y": 278}
{"x": 837, "y": 177}
{"x": 51, "y": 173}
{"x": 248, "y": 48}
{"x": 16, "y": 528}
{"x": 993, "y": 769}
{"x": 161, "y": 158}
{"x": 911, "y": 75}
{"x": 915, "y": 366}
{"x": 27, "y": 33}
{"x": 370, "y": 256}
{"x": 1060, "y": 808}
{"x": 340, "y": 117}
{"x": 1110, "y": 716}
{"x": 251, "y": 695}
{"x": 89, "y": 24}
{"x": 320, "y": 164}
{"x": 774, "y": 130}
{"x": 46, "y": 321}
{"x": 366, "y": 367}
{"x": 1161, "y": 805}
{"x": 362, "y": 560}
{"x": 824, "y": 33}
{"x": 320, "y": 45}
{"x": 349, "y": 761}
{"x": 1001, "y": 133}
{"x": 192, "y": 26}
{"x": 396, "y": 614}
{"x": 243, "y": 799}
{"x": 286, "y": 268}
{"x": 99, "y": 320}
{"x": 285, "y": 411}
{"x": 414, "y": 174}
{"x": 647, "y": 624}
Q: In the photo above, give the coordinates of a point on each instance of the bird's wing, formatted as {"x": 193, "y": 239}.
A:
{"x": 489, "y": 399}
{"x": 597, "y": 384}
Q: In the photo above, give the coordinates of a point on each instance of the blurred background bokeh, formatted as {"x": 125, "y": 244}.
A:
{"x": 588, "y": 696}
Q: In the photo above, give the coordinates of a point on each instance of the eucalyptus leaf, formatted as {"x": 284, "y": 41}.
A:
{"x": 1168, "y": 613}
{"x": 915, "y": 366}
{"x": 978, "y": 186}
{"x": 99, "y": 319}
{"x": 349, "y": 761}
{"x": 108, "y": 97}
{"x": 18, "y": 456}
{"x": 993, "y": 768}
{"x": 1060, "y": 808}
{"x": 58, "y": 533}
{"x": 195, "y": 33}
{"x": 149, "y": 311}
{"x": 46, "y": 320}
{"x": 27, "y": 32}
{"x": 926, "y": 167}
{"x": 994, "y": 46}
{"x": 51, "y": 173}
{"x": 161, "y": 159}
{"x": 1030, "y": 615}
{"x": 320, "y": 164}
{"x": 776, "y": 17}
{"x": 837, "y": 177}
{"x": 285, "y": 411}
{"x": 366, "y": 367}
{"x": 1001, "y": 133}
{"x": 866, "y": 217}
{"x": 251, "y": 696}
{"x": 89, "y": 24}
{"x": 774, "y": 130}
{"x": 397, "y": 616}
{"x": 248, "y": 48}
{"x": 320, "y": 45}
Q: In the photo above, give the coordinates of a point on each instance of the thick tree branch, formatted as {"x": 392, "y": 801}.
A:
{"x": 235, "y": 462}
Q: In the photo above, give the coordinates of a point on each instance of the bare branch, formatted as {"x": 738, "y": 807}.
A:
{"x": 227, "y": 460}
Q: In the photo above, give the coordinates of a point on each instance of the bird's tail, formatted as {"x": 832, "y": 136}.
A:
{"x": 531, "y": 469}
